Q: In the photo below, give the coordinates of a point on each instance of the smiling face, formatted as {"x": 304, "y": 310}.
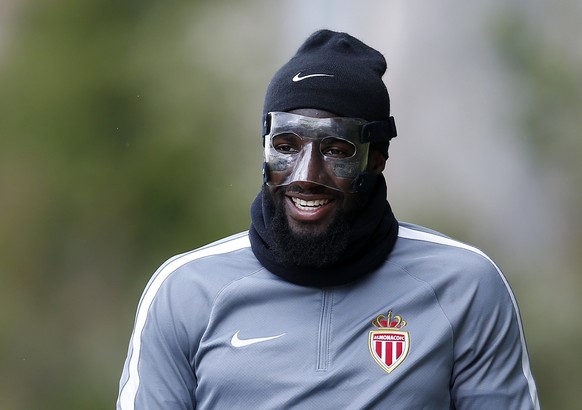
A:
{"x": 314, "y": 207}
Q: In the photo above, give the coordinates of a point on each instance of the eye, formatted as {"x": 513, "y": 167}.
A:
{"x": 337, "y": 148}
{"x": 287, "y": 143}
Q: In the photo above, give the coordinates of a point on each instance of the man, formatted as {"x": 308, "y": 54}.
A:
{"x": 327, "y": 301}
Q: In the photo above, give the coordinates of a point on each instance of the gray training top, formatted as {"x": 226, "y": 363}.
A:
{"x": 436, "y": 327}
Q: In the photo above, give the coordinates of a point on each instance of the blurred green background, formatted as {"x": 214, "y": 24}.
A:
{"x": 130, "y": 132}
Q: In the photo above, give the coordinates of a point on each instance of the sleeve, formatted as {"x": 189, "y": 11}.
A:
{"x": 158, "y": 372}
{"x": 491, "y": 368}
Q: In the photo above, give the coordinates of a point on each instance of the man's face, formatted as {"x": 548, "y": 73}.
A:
{"x": 311, "y": 209}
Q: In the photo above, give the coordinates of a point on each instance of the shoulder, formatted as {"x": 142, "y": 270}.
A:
{"x": 427, "y": 239}
{"x": 198, "y": 276}
{"x": 230, "y": 247}
{"x": 423, "y": 246}
{"x": 479, "y": 305}
{"x": 184, "y": 289}
{"x": 450, "y": 267}
{"x": 217, "y": 263}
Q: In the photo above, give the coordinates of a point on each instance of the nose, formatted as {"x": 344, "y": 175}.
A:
{"x": 310, "y": 166}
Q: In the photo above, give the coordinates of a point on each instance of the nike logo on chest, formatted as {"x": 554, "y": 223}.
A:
{"x": 237, "y": 342}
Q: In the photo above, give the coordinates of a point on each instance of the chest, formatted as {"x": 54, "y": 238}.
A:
{"x": 372, "y": 345}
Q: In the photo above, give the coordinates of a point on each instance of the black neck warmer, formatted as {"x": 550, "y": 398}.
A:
{"x": 373, "y": 235}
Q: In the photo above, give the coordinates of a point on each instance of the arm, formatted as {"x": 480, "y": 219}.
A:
{"x": 158, "y": 372}
{"x": 491, "y": 369}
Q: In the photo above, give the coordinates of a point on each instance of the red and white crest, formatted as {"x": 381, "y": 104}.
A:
{"x": 389, "y": 345}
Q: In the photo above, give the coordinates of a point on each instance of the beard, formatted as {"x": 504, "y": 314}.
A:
{"x": 308, "y": 249}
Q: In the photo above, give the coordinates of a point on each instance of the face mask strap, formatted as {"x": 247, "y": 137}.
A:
{"x": 378, "y": 131}
{"x": 265, "y": 173}
{"x": 266, "y": 126}
{"x": 364, "y": 182}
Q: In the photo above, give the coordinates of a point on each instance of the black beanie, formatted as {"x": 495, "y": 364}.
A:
{"x": 334, "y": 72}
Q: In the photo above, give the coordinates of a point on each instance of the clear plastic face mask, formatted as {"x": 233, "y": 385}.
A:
{"x": 324, "y": 151}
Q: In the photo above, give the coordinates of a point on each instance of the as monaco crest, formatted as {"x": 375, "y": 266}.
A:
{"x": 389, "y": 345}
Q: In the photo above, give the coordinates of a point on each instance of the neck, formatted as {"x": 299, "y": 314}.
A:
{"x": 372, "y": 236}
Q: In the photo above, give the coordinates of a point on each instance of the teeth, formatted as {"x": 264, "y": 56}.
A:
{"x": 300, "y": 203}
